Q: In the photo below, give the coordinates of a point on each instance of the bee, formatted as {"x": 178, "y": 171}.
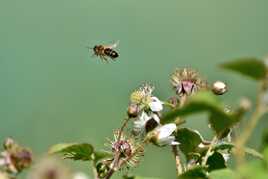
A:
{"x": 105, "y": 51}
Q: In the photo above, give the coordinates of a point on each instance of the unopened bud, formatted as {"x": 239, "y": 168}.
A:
{"x": 173, "y": 100}
{"x": 8, "y": 143}
{"x": 133, "y": 110}
{"x": 245, "y": 104}
{"x": 219, "y": 88}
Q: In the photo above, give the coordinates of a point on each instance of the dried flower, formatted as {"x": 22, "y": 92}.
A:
{"x": 219, "y": 88}
{"x": 187, "y": 81}
{"x": 15, "y": 158}
{"x": 126, "y": 148}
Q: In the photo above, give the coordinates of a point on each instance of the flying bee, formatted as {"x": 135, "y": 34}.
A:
{"x": 105, "y": 51}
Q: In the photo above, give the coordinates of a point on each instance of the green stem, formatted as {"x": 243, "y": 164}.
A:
{"x": 211, "y": 145}
{"x": 179, "y": 165}
{"x": 249, "y": 128}
{"x": 179, "y": 168}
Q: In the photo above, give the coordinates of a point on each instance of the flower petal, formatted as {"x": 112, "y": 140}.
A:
{"x": 156, "y": 105}
{"x": 170, "y": 140}
{"x": 139, "y": 124}
{"x": 166, "y": 130}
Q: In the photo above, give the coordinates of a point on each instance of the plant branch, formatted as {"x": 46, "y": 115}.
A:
{"x": 211, "y": 145}
{"x": 179, "y": 168}
{"x": 248, "y": 129}
{"x": 115, "y": 162}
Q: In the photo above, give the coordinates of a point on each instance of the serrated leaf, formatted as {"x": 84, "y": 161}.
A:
{"x": 195, "y": 173}
{"x": 222, "y": 174}
{"x": 250, "y": 67}
{"x": 216, "y": 161}
{"x": 73, "y": 151}
{"x": 188, "y": 139}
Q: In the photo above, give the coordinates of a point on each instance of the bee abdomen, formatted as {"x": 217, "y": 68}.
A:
{"x": 111, "y": 53}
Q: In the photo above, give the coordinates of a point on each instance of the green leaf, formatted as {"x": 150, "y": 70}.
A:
{"x": 200, "y": 102}
{"x": 188, "y": 139}
{"x": 253, "y": 153}
{"x": 205, "y": 102}
{"x": 229, "y": 146}
{"x": 73, "y": 151}
{"x": 253, "y": 170}
{"x": 222, "y": 174}
{"x": 221, "y": 122}
{"x": 138, "y": 177}
{"x": 250, "y": 67}
{"x": 195, "y": 173}
{"x": 216, "y": 161}
{"x": 99, "y": 155}
{"x": 223, "y": 146}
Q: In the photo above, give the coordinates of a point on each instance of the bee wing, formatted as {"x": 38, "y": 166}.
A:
{"x": 114, "y": 45}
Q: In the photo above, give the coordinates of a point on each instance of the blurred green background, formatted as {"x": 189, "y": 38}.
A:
{"x": 53, "y": 91}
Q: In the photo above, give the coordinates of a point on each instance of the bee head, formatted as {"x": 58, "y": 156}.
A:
{"x": 95, "y": 47}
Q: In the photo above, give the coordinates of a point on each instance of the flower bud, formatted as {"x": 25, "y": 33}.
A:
{"x": 219, "y": 88}
{"x": 133, "y": 110}
{"x": 245, "y": 104}
{"x": 8, "y": 143}
{"x": 103, "y": 168}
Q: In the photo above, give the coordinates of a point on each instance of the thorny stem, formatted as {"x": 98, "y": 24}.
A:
{"x": 183, "y": 99}
{"x": 122, "y": 128}
{"x": 114, "y": 166}
{"x": 211, "y": 145}
{"x": 169, "y": 104}
{"x": 115, "y": 162}
{"x": 179, "y": 168}
{"x": 253, "y": 120}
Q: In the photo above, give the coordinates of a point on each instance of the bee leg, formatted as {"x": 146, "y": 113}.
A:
{"x": 103, "y": 58}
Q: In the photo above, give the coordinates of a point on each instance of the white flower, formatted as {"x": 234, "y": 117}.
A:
{"x": 80, "y": 175}
{"x": 163, "y": 135}
{"x": 145, "y": 123}
{"x": 156, "y": 105}
{"x": 226, "y": 156}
